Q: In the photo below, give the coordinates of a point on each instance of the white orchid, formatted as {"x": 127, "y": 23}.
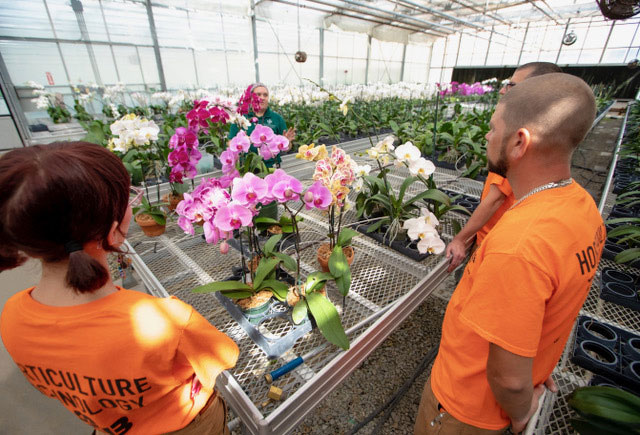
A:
{"x": 422, "y": 167}
{"x": 132, "y": 131}
{"x": 407, "y": 153}
{"x": 363, "y": 170}
{"x": 431, "y": 243}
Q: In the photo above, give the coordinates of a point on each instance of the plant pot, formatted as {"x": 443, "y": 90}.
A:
{"x": 598, "y": 332}
{"x": 612, "y": 275}
{"x": 633, "y": 371}
{"x": 255, "y": 307}
{"x": 172, "y": 200}
{"x": 598, "y": 353}
{"x": 295, "y": 293}
{"x": 324, "y": 252}
{"x": 610, "y": 250}
{"x": 149, "y": 226}
{"x": 621, "y": 290}
{"x": 631, "y": 349}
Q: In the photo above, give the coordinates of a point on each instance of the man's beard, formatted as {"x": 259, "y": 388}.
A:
{"x": 501, "y": 166}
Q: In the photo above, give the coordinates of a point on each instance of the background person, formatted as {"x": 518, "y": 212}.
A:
{"x": 265, "y": 116}
{"x": 497, "y": 196}
{"x": 120, "y": 360}
{"x": 510, "y": 316}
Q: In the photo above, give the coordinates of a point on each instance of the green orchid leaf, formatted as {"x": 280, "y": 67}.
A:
{"x": 315, "y": 281}
{"x": 432, "y": 194}
{"x": 609, "y": 403}
{"x": 278, "y": 288}
{"x": 405, "y": 184}
{"x": 271, "y": 244}
{"x": 160, "y": 219}
{"x": 221, "y": 286}
{"x": 627, "y": 255}
{"x": 265, "y": 267}
{"x": 236, "y": 294}
{"x": 299, "y": 312}
{"x": 338, "y": 264}
{"x": 287, "y": 261}
{"x": 265, "y": 220}
{"x": 327, "y": 319}
{"x": 344, "y": 282}
{"x": 376, "y": 225}
{"x": 345, "y": 236}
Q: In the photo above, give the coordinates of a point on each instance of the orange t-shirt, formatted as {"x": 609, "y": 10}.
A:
{"x": 503, "y": 185}
{"x": 521, "y": 290}
{"x": 123, "y": 363}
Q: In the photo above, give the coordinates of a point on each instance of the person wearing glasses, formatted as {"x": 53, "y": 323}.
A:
{"x": 122, "y": 361}
{"x": 497, "y": 196}
{"x": 265, "y": 116}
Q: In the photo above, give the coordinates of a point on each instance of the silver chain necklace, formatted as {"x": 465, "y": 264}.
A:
{"x": 551, "y": 185}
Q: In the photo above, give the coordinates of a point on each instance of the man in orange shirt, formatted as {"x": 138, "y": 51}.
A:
{"x": 497, "y": 195}
{"x": 509, "y": 318}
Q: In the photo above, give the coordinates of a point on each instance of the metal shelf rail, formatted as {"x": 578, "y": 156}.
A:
{"x": 386, "y": 287}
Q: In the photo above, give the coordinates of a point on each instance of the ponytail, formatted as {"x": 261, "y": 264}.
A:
{"x": 85, "y": 273}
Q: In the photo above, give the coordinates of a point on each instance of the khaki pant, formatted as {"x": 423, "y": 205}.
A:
{"x": 212, "y": 419}
{"x": 432, "y": 419}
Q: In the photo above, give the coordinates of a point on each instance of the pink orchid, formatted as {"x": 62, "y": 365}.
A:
{"x": 228, "y": 158}
{"x": 317, "y": 196}
{"x": 261, "y": 135}
{"x": 218, "y": 115}
{"x": 249, "y": 189}
{"x": 240, "y": 143}
{"x": 281, "y": 142}
{"x": 232, "y": 217}
{"x": 284, "y": 187}
{"x": 269, "y": 150}
{"x": 199, "y": 116}
{"x": 183, "y": 137}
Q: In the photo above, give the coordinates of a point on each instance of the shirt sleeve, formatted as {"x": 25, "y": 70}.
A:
{"x": 502, "y": 184}
{"x": 208, "y": 350}
{"x": 506, "y": 304}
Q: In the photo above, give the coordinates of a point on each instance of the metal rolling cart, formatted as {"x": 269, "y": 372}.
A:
{"x": 386, "y": 287}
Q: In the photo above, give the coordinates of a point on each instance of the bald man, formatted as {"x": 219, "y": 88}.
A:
{"x": 511, "y": 314}
{"x": 497, "y": 196}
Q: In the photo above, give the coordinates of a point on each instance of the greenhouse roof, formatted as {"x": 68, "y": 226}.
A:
{"x": 405, "y": 20}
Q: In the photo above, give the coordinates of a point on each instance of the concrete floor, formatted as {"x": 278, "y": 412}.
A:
{"x": 23, "y": 409}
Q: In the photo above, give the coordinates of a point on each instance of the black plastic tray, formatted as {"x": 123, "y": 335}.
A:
{"x": 407, "y": 248}
{"x": 606, "y": 294}
{"x": 617, "y": 346}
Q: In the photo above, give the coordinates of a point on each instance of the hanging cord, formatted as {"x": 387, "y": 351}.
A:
{"x": 283, "y": 52}
{"x": 390, "y": 404}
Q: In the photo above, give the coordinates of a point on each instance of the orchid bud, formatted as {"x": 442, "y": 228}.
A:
{"x": 224, "y": 248}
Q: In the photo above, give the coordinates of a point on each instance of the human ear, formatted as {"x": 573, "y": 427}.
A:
{"x": 521, "y": 142}
{"x": 115, "y": 237}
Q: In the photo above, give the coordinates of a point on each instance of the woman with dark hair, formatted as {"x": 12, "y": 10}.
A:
{"x": 265, "y": 116}
{"x": 120, "y": 360}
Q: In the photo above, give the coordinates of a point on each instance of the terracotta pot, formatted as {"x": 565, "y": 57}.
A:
{"x": 172, "y": 200}
{"x": 296, "y": 292}
{"x": 149, "y": 226}
{"x": 324, "y": 252}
